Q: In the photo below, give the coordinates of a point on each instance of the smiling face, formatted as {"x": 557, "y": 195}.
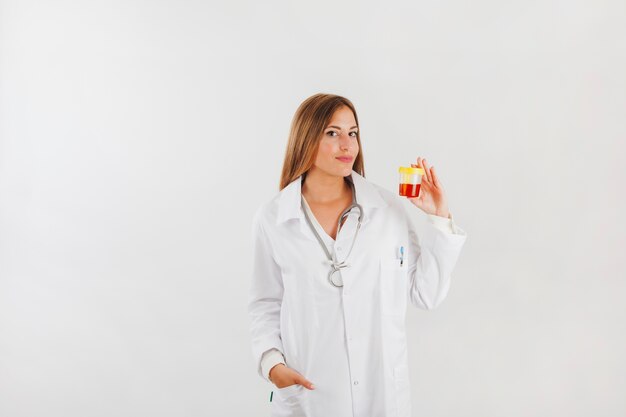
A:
{"x": 339, "y": 145}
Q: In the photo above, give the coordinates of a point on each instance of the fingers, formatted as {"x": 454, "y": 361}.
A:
{"x": 429, "y": 177}
{"x": 304, "y": 382}
{"x": 435, "y": 176}
{"x": 421, "y": 163}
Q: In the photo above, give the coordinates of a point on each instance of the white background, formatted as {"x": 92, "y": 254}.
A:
{"x": 137, "y": 138}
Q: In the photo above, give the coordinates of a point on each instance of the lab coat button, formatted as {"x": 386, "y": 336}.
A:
{"x": 356, "y": 382}
{"x": 339, "y": 248}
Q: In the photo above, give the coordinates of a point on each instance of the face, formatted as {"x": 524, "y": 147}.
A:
{"x": 339, "y": 146}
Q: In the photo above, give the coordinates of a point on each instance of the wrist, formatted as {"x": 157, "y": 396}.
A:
{"x": 270, "y": 359}
{"x": 269, "y": 375}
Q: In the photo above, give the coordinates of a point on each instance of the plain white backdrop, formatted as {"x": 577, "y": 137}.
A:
{"x": 137, "y": 138}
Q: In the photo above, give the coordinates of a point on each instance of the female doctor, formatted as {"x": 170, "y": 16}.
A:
{"x": 336, "y": 260}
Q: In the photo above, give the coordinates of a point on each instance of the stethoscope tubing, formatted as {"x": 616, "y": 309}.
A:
{"x": 337, "y": 266}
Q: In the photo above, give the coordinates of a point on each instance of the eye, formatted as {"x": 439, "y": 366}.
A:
{"x": 355, "y": 134}
{"x": 331, "y": 133}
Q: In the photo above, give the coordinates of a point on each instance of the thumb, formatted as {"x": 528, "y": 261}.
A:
{"x": 304, "y": 382}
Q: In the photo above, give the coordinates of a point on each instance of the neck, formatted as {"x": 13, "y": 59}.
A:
{"x": 320, "y": 187}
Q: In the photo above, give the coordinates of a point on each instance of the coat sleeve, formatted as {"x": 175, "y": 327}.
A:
{"x": 265, "y": 296}
{"x": 431, "y": 259}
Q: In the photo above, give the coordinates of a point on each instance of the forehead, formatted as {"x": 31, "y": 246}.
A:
{"x": 343, "y": 116}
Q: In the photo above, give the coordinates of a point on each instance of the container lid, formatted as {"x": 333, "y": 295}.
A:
{"x": 411, "y": 170}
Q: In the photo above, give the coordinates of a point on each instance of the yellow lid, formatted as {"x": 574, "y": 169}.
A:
{"x": 410, "y": 170}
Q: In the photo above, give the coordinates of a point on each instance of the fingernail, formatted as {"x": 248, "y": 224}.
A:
{"x": 312, "y": 386}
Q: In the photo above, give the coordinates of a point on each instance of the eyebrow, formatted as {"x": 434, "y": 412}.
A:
{"x": 337, "y": 127}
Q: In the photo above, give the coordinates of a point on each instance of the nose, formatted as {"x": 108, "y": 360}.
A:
{"x": 344, "y": 141}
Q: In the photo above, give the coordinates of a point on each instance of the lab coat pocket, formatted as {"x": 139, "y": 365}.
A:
{"x": 287, "y": 401}
{"x": 393, "y": 279}
{"x": 403, "y": 390}
{"x": 289, "y": 390}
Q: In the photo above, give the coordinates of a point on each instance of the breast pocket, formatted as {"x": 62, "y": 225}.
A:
{"x": 393, "y": 286}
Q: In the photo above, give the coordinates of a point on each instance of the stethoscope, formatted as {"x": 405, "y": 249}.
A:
{"x": 334, "y": 276}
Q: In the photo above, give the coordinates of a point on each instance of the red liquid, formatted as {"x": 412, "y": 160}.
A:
{"x": 410, "y": 190}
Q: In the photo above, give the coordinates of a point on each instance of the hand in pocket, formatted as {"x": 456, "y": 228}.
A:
{"x": 283, "y": 377}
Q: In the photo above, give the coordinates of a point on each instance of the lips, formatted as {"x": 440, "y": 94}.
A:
{"x": 346, "y": 159}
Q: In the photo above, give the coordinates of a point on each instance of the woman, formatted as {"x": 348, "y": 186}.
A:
{"x": 329, "y": 292}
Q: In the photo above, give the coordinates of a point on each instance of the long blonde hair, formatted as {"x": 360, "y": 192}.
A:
{"x": 307, "y": 128}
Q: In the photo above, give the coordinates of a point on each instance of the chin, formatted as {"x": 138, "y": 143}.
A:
{"x": 346, "y": 171}
{"x": 339, "y": 171}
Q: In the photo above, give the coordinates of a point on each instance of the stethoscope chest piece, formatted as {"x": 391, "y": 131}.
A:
{"x": 334, "y": 277}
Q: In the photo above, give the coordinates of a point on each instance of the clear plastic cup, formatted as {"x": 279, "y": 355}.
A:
{"x": 410, "y": 181}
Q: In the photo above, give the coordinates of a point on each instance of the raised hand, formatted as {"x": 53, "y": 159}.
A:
{"x": 431, "y": 199}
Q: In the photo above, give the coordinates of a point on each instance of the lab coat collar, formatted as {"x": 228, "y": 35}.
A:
{"x": 289, "y": 203}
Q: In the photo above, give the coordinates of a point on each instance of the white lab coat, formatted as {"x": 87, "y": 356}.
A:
{"x": 350, "y": 341}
